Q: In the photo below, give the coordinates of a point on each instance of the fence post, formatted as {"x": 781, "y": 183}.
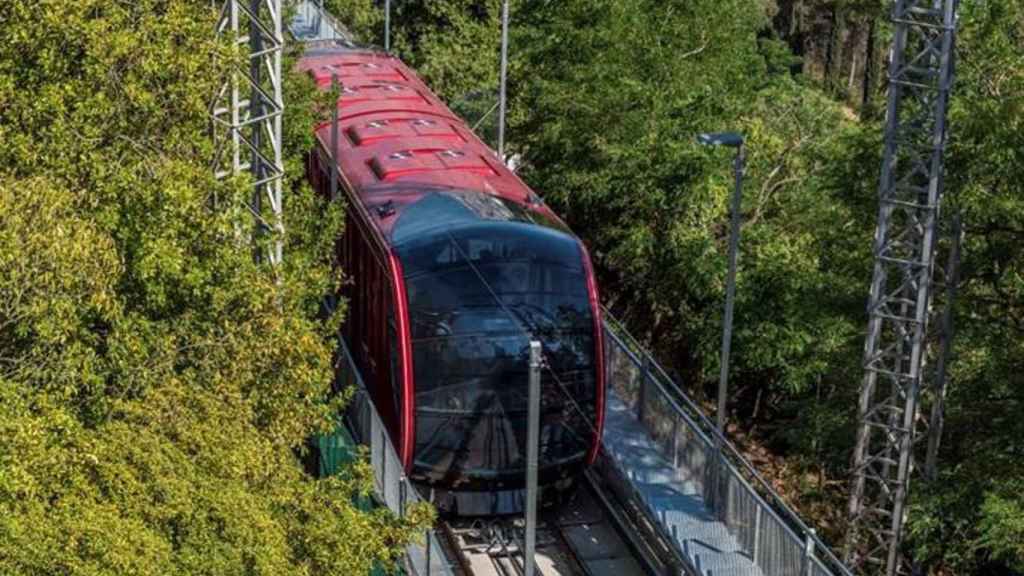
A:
{"x": 383, "y": 465}
{"x": 757, "y": 535}
{"x": 365, "y": 436}
{"x": 808, "y": 552}
{"x": 334, "y": 137}
{"x": 675, "y": 442}
{"x": 641, "y": 401}
{"x": 609, "y": 363}
{"x": 428, "y": 553}
{"x": 717, "y": 474}
{"x": 402, "y": 496}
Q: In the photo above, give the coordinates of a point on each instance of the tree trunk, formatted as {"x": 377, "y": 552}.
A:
{"x": 871, "y": 69}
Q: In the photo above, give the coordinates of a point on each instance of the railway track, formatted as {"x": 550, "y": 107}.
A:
{"x": 577, "y": 537}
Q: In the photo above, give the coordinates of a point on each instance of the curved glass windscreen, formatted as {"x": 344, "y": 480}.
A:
{"x": 476, "y": 295}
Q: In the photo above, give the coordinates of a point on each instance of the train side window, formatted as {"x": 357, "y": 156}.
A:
{"x": 394, "y": 369}
{"x": 377, "y": 329}
{"x": 365, "y": 308}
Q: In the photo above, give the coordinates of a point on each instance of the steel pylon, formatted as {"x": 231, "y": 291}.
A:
{"x": 248, "y": 110}
{"x": 921, "y": 72}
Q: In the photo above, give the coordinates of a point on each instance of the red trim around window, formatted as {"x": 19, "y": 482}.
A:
{"x": 402, "y": 319}
{"x": 595, "y": 305}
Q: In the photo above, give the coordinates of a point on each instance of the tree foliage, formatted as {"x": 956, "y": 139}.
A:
{"x": 616, "y": 98}
{"x": 157, "y": 386}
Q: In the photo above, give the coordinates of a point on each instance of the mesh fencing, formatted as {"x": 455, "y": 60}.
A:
{"x": 819, "y": 569}
{"x": 311, "y": 23}
{"x": 393, "y": 490}
{"x": 768, "y": 532}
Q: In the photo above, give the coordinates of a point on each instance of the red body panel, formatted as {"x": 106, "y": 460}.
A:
{"x": 394, "y": 131}
{"x": 405, "y": 447}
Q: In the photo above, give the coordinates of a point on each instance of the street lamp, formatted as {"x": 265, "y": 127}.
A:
{"x": 503, "y": 82}
{"x": 732, "y": 140}
{"x": 532, "y": 455}
{"x": 387, "y": 25}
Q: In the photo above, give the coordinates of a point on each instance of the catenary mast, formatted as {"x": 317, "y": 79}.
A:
{"x": 248, "y": 111}
{"x": 921, "y": 71}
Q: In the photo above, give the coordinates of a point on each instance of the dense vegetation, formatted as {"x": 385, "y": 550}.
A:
{"x": 608, "y": 96}
{"x": 156, "y": 386}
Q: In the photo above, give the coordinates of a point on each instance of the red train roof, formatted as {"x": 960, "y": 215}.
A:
{"x": 398, "y": 141}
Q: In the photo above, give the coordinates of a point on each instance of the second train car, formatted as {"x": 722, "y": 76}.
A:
{"x": 455, "y": 265}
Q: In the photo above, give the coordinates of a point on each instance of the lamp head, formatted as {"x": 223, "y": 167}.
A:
{"x": 730, "y": 139}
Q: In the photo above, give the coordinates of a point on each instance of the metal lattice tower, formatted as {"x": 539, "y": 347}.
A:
{"x": 910, "y": 194}
{"x": 249, "y": 108}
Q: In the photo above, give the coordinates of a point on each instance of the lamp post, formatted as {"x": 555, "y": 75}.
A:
{"x": 387, "y": 25}
{"x": 732, "y": 140}
{"x": 532, "y": 455}
{"x": 503, "y": 82}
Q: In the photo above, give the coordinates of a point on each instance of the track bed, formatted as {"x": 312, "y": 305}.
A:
{"x": 575, "y": 538}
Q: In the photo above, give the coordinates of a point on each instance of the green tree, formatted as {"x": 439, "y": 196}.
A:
{"x": 156, "y": 386}
{"x": 616, "y": 96}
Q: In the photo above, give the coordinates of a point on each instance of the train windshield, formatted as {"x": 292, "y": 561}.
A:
{"x": 477, "y": 294}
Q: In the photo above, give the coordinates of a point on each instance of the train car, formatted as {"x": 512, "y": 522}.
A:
{"x": 454, "y": 265}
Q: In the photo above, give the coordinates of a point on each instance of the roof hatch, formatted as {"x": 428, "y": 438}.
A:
{"x": 379, "y": 130}
{"x": 426, "y": 160}
{"x": 357, "y": 71}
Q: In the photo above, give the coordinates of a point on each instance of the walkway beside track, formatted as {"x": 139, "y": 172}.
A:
{"x": 705, "y": 501}
{"x": 675, "y": 499}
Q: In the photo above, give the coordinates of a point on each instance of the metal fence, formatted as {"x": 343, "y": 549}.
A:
{"x": 768, "y": 531}
{"x": 310, "y": 22}
{"x": 392, "y": 488}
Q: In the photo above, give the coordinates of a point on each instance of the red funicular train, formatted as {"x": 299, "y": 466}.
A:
{"x": 455, "y": 263}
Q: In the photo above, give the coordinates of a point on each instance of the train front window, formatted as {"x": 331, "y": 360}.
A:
{"x": 477, "y": 295}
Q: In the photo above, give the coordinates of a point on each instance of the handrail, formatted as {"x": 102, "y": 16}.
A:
{"x": 708, "y": 432}
{"x": 639, "y": 362}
